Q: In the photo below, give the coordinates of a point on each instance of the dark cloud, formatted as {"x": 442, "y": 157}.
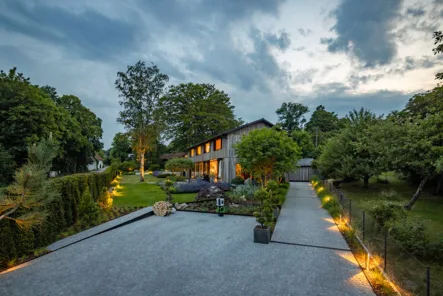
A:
{"x": 364, "y": 29}
{"x": 415, "y": 12}
{"x": 89, "y": 34}
{"x": 337, "y": 97}
{"x": 355, "y": 80}
{"x": 283, "y": 41}
{"x": 411, "y": 63}
{"x": 304, "y": 32}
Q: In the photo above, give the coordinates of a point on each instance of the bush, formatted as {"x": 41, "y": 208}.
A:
{"x": 197, "y": 186}
{"x": 285, "y": 185}
{"x": 332, "y": 206}
{"x": 210, "y": 191}
{"x": 129, "y": 173}
{"x": 105, "y": 200}
{"x": 87, "y": 208}
{"x": 244, "y": 192}
{"x": 412, "y": 236}
{"x": 238, "y": 181}
{"x": 164, "y": 175}
{"x": 382, "y": 180}
{"x": 154, "y": 167}
{"x": 386, "y": 211}
{"x": 156, "y": 173}
{"x": 128, "y": 165}
{"x": 63, "y": 212}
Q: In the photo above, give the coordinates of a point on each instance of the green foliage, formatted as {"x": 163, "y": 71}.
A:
{"x": 139, "y": 88}
{"x": 7, "y": 166}
{"x": 105, "y": 199}
{"x": 243, "y": 192}
{"x": 179, "y": 164}
{"x": 304, "y": 141}
{"x": 120, "y": 147}
{"x": 238, "y": 180}
{"x": 267, "y": 153}
{"x": 62, "y": 212}
{"x": 264, "y": 215}
{"x": 154, "y": 167}
{"x": 324, "y": 121}
{"x": 128, "y": 166}
{"x": 164, "y": 175}
{"x": 291, "y": 116}
{"x": 438, "y": 39}
{"x": 355, "y": 151}
{"x": 412, "y": 236}
{"x": 385, "y": 213}
{"x": 192, "y": 113}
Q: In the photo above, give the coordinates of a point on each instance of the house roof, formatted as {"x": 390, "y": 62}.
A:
{"x": 305, "y": 162}
{"x": 172, "y": 155}
{"x": 98, "y": 157}
{"x": 233, "y": 130}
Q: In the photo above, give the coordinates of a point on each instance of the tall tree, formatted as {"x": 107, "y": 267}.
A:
{"x": 322, "y": 125}
{"x": 194, "y": 112}
{"x": 291, "y": 116}
{"x": 7, "y": 167}
{"x": 121, "y": 146}
{"x": 438, "y": 39}
{"x": 139, "y": 88}
{"x": 304, "y": 141}
{"x": 354, "y": 152}
{"x": 30, "y": 192}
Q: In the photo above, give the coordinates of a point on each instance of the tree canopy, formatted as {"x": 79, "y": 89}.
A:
{"x": 120, "y": 147}
{"x": 267, "y": 153}
{"x": 193, "y": 112}
{"x": 140, "y": 88}
{"x": 179, "y": 164}
{"x": 291, "y": 116}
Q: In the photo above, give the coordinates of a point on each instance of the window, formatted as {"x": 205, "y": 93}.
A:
{"x": 192, "y": 152}
{"x": 207, "y": 147}
{"x": 238, "y": 169}
{"x": 213, "y": 167}
{"x": 199, "y": 150}
{"x": 218, "y": 144}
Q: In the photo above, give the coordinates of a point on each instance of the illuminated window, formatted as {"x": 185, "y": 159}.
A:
{"x": 237, "y": 169}
{"x": 192, "y": 152}
{"x": 207, "y": 147}
{"x": 213, "y": 167}
{"x": 218, "y": 144}
{"x": 199, "y": 150}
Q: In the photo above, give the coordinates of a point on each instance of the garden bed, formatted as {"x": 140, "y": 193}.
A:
{"x": 246, "y": 208}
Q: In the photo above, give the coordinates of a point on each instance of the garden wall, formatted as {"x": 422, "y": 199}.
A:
{"x": 62, "y": 213}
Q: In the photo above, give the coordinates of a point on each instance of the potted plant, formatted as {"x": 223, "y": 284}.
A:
{"x": 262, "y": 232}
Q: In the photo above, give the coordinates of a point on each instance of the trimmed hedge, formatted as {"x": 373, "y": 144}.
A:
{"x": 63, "y": 213}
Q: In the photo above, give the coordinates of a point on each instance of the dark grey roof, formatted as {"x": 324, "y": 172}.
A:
{"x": 233, "y": 130}
{"x": 305, "y": 162}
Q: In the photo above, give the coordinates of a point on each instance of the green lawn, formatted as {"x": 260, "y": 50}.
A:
{"x": 132, "y": 193}
{"x": 428, "y": 208}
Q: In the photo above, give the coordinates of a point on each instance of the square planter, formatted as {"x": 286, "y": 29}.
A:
{"x": 262, "y": 235}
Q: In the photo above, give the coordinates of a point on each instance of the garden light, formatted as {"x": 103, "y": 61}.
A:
{"x": 320, "y": 189}
{"x": 220, "y": 202}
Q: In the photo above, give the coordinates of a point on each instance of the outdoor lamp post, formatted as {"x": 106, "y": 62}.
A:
{"x": 220, "y": 206}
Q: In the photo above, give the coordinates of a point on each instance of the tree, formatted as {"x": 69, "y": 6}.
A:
{"x": 438, "y": 39}
{"x": 30, "y": 192}
{"x": 121, "y": 146}
{"x": 354, "y": 152}
{"x": 191, "y": 113}
{"x": 179, "y": 164}
{"x": 7, "y": 166}
{"x": 323, "y": 125}
{"x": 291, "y": 116}
{"x": 88, "y": 209}
{"x": 304, "y": 141}
{"x": 267, "y": 153}
{"x": 139, "y": 88}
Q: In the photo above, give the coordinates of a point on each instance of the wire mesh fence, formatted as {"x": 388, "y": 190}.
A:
{"x": 408, "y": 274}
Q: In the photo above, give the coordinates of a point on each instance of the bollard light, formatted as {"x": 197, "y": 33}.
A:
{"x": 220, "y": 202}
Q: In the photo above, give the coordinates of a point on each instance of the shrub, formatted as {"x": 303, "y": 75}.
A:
{"x": 264, "y": 215}
{"x": 210, "y": 191}
{"x": 412, "y": 236}
{"x": 197, "y": 186}
{"x": 156, "y": 173}
{"x": 244, "y": 191}
{"x": 154, "y": 167}
{"x": 105, "y": 200}
{"x": 386, "y": 211}
{"x": 382, "y": 180}
{"x": 332, "y": 206}
{"x": 285, "y": 185}
{"x": 88, "y": 209}
{"x": 180, "y": 179}
{"x": 164, "y": 175}
{"x": 128, "y": 165}
{"x": 238, "y": 181}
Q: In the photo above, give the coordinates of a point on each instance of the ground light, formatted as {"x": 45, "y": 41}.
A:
{"x": 320, "y": 189}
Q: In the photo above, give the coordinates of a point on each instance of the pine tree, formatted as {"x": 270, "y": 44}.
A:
{"x": 88, "y": 209}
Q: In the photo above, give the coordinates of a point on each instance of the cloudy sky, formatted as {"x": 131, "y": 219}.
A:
{"x": 343, "y": 54}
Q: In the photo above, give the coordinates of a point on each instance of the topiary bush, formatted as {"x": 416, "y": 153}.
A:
{"x": 238, "y": 181}
{"x": 88, "y": 209}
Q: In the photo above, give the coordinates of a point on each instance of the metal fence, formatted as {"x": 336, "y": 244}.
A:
{"x": 408, "y": 274}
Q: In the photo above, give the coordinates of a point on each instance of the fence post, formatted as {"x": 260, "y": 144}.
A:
{"x": 364, "y": 225}
{"x": 350, "y": 212}
{"x": 428, "y": 281}
{"x": 385, "y": 250}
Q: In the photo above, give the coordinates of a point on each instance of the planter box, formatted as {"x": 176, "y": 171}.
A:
{"x": 262, "y": 235}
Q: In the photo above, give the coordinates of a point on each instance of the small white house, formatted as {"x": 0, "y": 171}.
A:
{"x": 96, "y": 163}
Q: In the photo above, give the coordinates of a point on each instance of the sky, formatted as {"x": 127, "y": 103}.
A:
{"x": 343, "y": 54}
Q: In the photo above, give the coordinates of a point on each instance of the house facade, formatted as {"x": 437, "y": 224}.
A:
{"x": 216, "y": 156}
{"x": 96, "y": 163}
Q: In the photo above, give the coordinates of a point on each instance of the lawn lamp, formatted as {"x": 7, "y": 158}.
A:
{"x": 220, "y": 202}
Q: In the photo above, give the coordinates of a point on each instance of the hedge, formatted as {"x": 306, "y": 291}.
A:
{"x": 62, "y": 213}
